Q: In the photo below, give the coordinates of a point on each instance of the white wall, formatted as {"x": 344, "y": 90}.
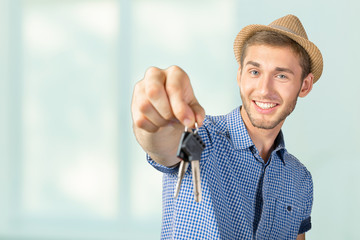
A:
{"x": 70, "y": 167}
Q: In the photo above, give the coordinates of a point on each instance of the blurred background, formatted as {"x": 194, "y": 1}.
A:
{"x": 70, "y": 167}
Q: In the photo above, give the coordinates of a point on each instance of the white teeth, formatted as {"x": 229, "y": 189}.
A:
{"x": 265, "y": 105}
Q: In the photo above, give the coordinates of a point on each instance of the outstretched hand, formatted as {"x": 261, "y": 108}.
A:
{"x": 163, "y": 103}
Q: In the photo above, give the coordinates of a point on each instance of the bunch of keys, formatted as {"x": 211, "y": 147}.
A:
{"x": 189, "y": 150}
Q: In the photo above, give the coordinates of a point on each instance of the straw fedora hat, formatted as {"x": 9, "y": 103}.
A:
{"x": 290, "y": 26}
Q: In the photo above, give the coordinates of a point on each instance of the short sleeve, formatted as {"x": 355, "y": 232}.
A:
{"x": 160, "y": 167}
{"x": 306, "y": 222}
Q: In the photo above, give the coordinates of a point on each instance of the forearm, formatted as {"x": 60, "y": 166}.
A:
{"x": 301, "y": 236}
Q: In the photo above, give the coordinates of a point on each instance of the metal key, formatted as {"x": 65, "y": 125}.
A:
{"x": 190, "y": 149}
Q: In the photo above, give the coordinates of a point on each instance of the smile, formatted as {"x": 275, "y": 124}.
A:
{"x": 264, "y": 105}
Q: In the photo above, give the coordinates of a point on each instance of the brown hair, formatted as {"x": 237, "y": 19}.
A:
{"x": 277, "y": 39}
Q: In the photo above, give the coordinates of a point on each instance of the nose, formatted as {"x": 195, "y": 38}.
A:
{"x": 265, "y": 84}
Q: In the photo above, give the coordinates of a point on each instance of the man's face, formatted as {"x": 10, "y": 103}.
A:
{"x": 270, "y": 82}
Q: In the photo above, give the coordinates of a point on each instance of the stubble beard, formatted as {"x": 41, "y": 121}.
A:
{"x": 267, "y": 124}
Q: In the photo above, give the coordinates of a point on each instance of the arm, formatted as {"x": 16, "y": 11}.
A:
{"x": 301, "y": 236}
{"x": 162, "y": 103}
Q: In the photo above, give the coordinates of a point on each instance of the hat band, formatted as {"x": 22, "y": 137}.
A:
{"x": 284, "y": 28}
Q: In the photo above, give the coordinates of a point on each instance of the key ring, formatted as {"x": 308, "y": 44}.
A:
{"x": 196, "y": 128}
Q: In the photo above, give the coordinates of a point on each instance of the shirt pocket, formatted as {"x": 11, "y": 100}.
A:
{"x": 287, "y": 220}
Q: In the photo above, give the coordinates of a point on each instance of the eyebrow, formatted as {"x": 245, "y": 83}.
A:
{"x": 253, "y": 63}
{"x": 278, "y": 69}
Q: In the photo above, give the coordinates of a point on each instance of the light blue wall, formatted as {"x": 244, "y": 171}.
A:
{"x": 70, "y": 165}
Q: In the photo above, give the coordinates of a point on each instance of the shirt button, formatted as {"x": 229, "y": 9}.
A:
{"x": 289, "y": 208}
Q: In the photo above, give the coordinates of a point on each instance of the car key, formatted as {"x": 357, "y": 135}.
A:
{"x": 190, "y": 148}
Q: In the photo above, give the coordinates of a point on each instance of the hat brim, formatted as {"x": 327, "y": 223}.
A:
{"x": 316, "y": 60}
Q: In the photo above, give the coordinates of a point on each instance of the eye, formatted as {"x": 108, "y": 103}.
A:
{"x": 282, "y": 76}
{"x": 254, "y": 72}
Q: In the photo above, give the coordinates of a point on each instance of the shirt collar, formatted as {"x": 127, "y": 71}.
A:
{"x": 237, "y": 130}
{"x": 240, "y": 136}
{"x": 280, "y": 146}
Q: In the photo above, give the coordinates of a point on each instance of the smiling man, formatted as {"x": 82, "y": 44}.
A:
{"x": 252, "y": 188}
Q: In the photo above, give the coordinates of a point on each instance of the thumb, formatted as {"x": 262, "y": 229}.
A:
{"x": 199, "y": 113}
{"x": 187, "y": 113}
{"x": 182, "y": 111}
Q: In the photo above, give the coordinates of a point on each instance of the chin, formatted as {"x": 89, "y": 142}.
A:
{"x": 265, "y": 126}
{"x": 262, "y": 124}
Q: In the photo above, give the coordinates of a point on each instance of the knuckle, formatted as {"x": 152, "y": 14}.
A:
{"x": 139, "y": 122}
{"x": 153, "y": 91}
{"x": 177, "y": 79}
{"x": 153, "y": 71}
{"x": 143, "y": 123}
{"x": 176, "y": 72}
{"x": 168, "y": 115}
{"x": 144, "y": 106}
{"x": 174, "y": 69}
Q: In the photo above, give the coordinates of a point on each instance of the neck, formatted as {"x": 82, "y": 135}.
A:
{"x": 263, "y": 139}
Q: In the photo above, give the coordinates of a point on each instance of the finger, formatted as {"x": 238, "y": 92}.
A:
{"x": 141, "y": 107}
{"x": 199, "y": 113}
{"x": 148, "y": 110}
{"x": 180, "y": 94}
{"x": 155, "y": 91}
{"x": 183, "y": 112}
{"x": 144, "y": 124}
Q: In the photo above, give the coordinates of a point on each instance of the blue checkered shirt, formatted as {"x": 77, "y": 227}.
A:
{"x": 242, "y": 197}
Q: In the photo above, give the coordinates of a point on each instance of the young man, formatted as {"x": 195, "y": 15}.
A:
{"x": 252, "y": 188}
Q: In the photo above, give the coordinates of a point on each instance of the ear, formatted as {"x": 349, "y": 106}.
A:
{"x": 238, "y": 76}
{"x": 306, "y": 85}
